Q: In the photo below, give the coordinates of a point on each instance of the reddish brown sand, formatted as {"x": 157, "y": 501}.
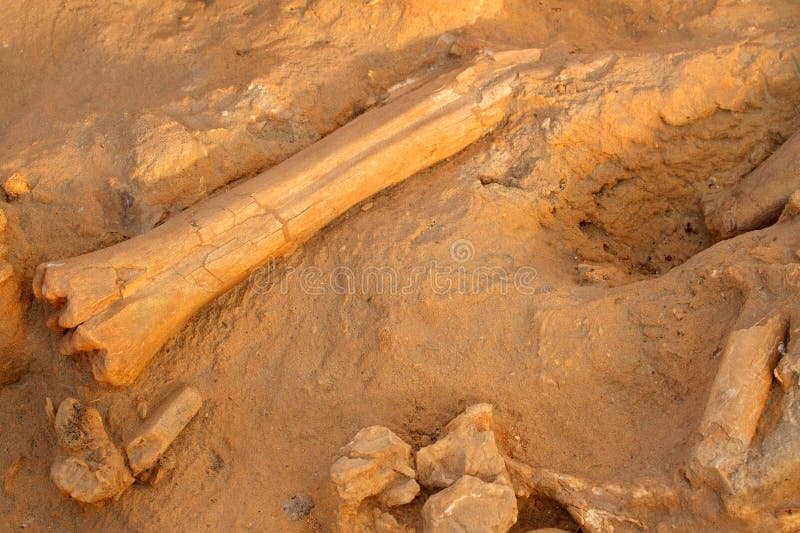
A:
{"x": 118, "y": 116}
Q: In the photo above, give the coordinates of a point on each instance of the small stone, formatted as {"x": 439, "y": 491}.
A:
{"x": 296, "y": 5}
{"x": 399, "y": 493}
{"x": 16, "y": 185}
{"x": 456, "y": 49}
{"x": 386, "y": 523}
{"x": 6, "y": 271}
{"x": 50, "y": 410}
{"x": 142, "y": 410}
{"x": 298, "y": 506}
{"x": 158, "y": 473}
{"x": 375, "y": 459}
{"x": 11, "y": 474}
{"x": 468, "y": 447}
{"x": 470, "y": 505}
{"x": 792, "y": 207}
{"x": 3, "y": 221}
{"x": 161, "y": 429}
{"x": 89, "y": 467}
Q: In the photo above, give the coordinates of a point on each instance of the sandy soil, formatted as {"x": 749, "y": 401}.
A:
{"x": 596, "y": 351}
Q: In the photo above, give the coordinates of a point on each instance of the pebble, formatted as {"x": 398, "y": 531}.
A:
{"x": 298, "y": 506}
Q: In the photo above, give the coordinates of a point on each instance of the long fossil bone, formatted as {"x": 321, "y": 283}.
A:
{"x": 121, "y": 303}
{"x": 757, "y": 200}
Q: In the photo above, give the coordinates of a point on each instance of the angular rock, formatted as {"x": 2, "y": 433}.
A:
{"x": 89, "y": 467}
{"x": 470, "y": 505}
{"x": 399, "y": 493}
{"x": 373, "y": 461}
{"x": 468, "y": 447}
{"x": 386, "y": 523}
{"x": 161, "y": 428}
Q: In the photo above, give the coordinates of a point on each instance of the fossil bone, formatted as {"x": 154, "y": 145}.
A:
{"x": 759, "y": 198}
{"x": 737, "y": 398}
{"x": 121, "y": 303}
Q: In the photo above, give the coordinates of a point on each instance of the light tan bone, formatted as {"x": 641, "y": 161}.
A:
{"x": 737, "y": 399}
{"x": 121, "y": 303}
{"x": 158, "y": 432}
{"x": 755, "y": 477}
{"x": 757, "y": 200}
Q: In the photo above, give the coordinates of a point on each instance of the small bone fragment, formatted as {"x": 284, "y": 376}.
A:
{"x": 759, "y": 198}
{"x": 737, "y": 399}
{"x": 157, "y": 433}
{"x": 50, "y": 410}
{"x": 121, "y": 303}
{"x": 89, "y": 467}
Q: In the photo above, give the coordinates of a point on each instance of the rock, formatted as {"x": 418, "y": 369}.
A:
{"x": 470, "y": 505}
{"x": 792, "y": 208}
{"x": 16, "y": 185}
{"x": 166, "y": 152}
{"x": 160, "y": 471}
{"x": 298, "y": 506}
{"x": 373, "y": 461}
{"x": 399, "y": 493}
{"x": 161, "y": 428}
{"x": 468, "y": 447}
{"x": 89, "y": 467}
{"x": 386, "y": 523}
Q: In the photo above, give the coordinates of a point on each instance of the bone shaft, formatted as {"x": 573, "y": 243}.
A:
{"x": 758, "y": 199}
{"x": 743, "y": 380}
{"x": 121, "y": 303}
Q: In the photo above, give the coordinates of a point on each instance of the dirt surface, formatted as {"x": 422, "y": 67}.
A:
{"x": 559, "y": 269}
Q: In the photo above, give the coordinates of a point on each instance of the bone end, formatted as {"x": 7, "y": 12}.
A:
{"x": 159, "y": 431}
{"x": 89, "y": 467}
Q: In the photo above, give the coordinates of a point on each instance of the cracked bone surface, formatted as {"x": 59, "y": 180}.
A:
{"x": 121, "y": 303}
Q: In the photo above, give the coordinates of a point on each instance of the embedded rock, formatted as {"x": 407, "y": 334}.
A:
{"x": 375, "y": 460}
{"x": 89, "y": 467}
{"x": 469, "y": 447}
{"x": 470, "y": 505}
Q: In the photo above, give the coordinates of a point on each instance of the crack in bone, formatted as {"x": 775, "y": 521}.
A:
{"x": 208, "y": 248}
